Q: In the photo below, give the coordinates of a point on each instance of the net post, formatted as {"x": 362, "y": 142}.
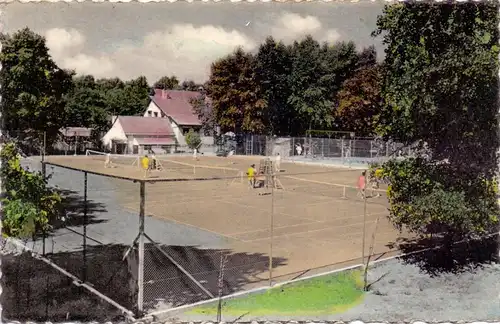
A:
{"x": 140, "y": 272}
{"x": 343, "y": 193}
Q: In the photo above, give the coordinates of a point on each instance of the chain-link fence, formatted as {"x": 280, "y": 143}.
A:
{"x": 333, "y": 150}
{"x": 33, "y": 289}
{"x": 70, "y": 141}
{"x": 156, "y": 240}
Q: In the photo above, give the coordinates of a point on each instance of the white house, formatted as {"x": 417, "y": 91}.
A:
{"x": 139, "y": 135}
{"x": 175, "y": 106}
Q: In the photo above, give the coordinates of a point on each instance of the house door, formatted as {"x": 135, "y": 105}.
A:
{"x": 120, "y": 148}
{"x": 135, "y": 149}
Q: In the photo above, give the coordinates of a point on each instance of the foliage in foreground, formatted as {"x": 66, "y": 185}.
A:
{"x": 29, "y": 204}
{"x": 440, "y": 95}
{"x": 428, "y": 198}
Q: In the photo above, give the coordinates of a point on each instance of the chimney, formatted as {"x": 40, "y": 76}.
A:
{"x": 163, "y": 94}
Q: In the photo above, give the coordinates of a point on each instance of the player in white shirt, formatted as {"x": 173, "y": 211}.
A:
{"x": 107, "y": 161}
{"x": 277, "y": 163}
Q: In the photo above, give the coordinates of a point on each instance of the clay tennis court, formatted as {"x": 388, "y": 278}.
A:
{"x": 317, "y": 219}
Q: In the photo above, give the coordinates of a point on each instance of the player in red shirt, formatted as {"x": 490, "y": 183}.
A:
{"x": 362, "y": 184}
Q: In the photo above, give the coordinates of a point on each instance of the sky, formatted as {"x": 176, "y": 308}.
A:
{"x": 127, "y": 40}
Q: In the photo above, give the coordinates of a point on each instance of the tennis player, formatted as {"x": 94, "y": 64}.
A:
{"x": 277, "y": 163}
{"x": 145, "y": 165}
{"x": 251, "y": 176}
{"x": 362, "y": 184}
{"x": 107, "y": 161}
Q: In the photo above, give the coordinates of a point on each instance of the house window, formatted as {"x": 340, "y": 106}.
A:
{"x": 147, "y": 148}
{"x": 156, "y": 114}
{"x": 149, "y": 113}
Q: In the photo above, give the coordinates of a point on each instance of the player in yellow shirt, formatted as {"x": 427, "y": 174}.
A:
{"x": 145, "y": 165}
{"x": 251, "y": 176}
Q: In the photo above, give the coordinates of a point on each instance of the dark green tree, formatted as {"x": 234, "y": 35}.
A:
{"x": 236, "y": 98}
{"x": 33, "y": 87}
{"x": 440, "y": 90}
{"x": 273, "y": 65}
{"x": 308, "y": 97}
{"x": 190, "y": 85}
{"x": 167, "y": 83}
{"x": 359, "y": 101}
{"x": 86, "y": 107}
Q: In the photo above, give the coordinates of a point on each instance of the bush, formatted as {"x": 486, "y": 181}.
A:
{"x": 29, "y": 204}
{"x": 433, "y": 198}
{"x": 193, "y": 139}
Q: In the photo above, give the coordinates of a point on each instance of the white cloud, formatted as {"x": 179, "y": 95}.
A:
{"x": 66, "y": 48}
{"x": 290, "y": 26}
{"x": 183, "y": 50}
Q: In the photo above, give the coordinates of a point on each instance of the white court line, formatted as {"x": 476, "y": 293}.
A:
{"x": 310, "y": 231}
{"x": 315, "y": 222}
{"x": 192, "y": 226}
{"x": 331, "y": 184}
{"x": 266, "y": 210}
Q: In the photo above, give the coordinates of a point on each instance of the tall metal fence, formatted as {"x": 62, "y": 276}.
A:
{"x": 150, "y": 245}
{"x": 343, "y": 151}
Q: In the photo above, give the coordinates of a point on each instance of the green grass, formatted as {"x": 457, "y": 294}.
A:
{"x": 319, "y": 296}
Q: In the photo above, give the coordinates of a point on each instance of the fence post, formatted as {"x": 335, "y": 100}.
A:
{"x": 271, "y": 228}
{"x": 323, "y": 147}
{"x": 364, "y": 221}
{"x": 140, "y": 274}
{"x": 44, "y": 174}
{"x": 342, "y": 150}
{"x": 85, "y": 209}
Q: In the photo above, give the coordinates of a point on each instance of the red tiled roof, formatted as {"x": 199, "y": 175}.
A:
{"x": 138, "y": 125}
{"x": 176, "y": 105}
{"x": 156, "y": 141}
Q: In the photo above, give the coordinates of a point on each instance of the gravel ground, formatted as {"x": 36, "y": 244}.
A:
{"x": 407, "y": 293}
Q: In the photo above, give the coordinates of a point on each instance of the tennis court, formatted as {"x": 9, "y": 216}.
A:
{"x": 313, "y": 224}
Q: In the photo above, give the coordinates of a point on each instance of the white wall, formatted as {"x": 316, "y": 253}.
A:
{"x": 178, "y": 132}
{"x": 115, "y": 133}
{"x": 153, "y": 108}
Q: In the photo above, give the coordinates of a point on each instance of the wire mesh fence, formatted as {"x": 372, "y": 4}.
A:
{"x": 34, "y": 290}
{"x": 344, "y": 151}
{"x": 160, "y": 238}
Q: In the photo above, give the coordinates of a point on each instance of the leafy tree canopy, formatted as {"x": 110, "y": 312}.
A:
{"x": 440, "y": 90}
{"x": 33, "y": 86}
{"x": 236, "y": 97}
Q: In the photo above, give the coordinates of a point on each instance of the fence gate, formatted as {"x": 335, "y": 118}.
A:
{"x": 249, "y": 145}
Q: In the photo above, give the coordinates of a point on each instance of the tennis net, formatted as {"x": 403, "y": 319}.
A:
{"x": 166, "y": 165}
{"x": 114, "y": 158}
{"x": 197, "y": 169}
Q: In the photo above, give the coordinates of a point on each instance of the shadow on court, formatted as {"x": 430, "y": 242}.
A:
{"x": 35, "y": 291}
{"x": 73, "y": 210}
